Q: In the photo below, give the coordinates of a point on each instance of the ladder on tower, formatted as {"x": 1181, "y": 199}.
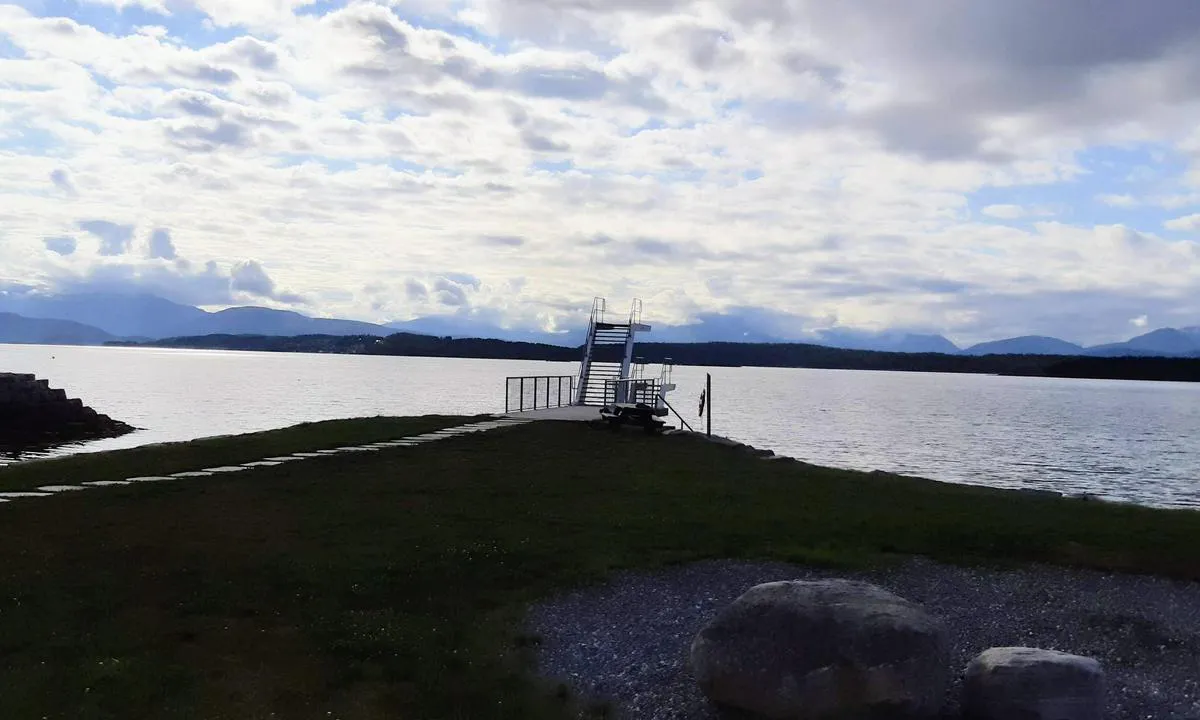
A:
{"x": 607, "y": 354}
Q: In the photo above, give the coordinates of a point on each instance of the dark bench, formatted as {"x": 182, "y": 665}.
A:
{"x": 638, "y": 414}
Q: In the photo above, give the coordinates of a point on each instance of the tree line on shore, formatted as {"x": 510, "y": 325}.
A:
{"x": 718, "y": 354}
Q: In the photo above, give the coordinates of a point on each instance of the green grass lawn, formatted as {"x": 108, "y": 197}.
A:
{"x": 171, "y": 458}
{"x": 390, "y": 585}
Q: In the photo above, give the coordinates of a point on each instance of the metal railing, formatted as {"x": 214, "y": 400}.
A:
{"x": 633, "y": 391}
{"x": 538, "y": 392}
{"x": 599, "y": 309}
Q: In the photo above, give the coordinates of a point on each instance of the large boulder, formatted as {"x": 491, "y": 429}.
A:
{"x": 1020, "y": 683}
{"x": 825, "y": 649}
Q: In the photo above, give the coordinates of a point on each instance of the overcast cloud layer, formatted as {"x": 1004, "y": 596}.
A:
{"x": 979, "y": 169}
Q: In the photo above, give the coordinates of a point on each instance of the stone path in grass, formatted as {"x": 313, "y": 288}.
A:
{"x": 413, "y": 441}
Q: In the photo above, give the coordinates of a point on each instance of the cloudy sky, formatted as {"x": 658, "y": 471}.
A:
{"x": 976, "y": 168}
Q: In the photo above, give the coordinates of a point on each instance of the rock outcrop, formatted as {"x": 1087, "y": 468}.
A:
{"x": 1033, "y": 684}
{"x": 820, "y": 650}
{"x": 33, "y": 414}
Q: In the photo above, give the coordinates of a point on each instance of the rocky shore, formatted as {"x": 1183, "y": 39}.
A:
{"x": 34, "y": 414}
{"x": 626, "y": 644}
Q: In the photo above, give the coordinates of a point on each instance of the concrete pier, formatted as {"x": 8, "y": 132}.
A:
{"x": 570, "y": 413}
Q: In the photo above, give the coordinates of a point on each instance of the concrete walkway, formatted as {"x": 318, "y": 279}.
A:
{"x": 571, "y": 413}
{"x": 412, "y": 441}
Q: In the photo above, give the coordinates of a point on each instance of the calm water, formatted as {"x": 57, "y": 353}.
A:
{"x": 1124, "y": 440}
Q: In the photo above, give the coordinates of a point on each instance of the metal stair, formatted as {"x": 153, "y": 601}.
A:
{"x": 599, "y": 373}
{"x": 607, "y": 354}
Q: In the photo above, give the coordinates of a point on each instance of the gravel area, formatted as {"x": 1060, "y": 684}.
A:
{"x": 627, "y": 642}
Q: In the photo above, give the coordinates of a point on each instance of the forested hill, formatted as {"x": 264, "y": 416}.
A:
{"x": 718, "y": 354}
{"x": 398, "y": 344}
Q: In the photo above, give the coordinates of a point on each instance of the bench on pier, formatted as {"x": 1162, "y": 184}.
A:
{"x": 638, "y": 414}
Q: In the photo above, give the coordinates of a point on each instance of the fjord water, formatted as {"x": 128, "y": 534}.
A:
{"x": 1124, "y": 440}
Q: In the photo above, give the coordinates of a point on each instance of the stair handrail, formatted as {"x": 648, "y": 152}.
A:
{"x": 599, "y": 309}
{"x": 686, "y": 424}
{"x": 585, "y": 365}
{"x": 599, "y": 305}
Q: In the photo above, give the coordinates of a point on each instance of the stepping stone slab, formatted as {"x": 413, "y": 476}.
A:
{"x": 108, "y": 483}
{"x": 225, "y": 469}
{"x": 262, "y": 463}
{"x": 20, "y": 495}
{"x": 306, "y": 455}
{"x": 196, "y": 474}
{"x": 283, "y": 459}
{"x": 151, "y": 478}
{"x": 327, "y": 452}
{"x": 60, "y": 488}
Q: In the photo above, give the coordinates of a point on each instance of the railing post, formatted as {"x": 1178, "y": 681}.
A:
{"x": 522, "y": 394}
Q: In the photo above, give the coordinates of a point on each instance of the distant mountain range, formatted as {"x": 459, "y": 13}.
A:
{"x": 96, "y": 318}
{"x": 19, "y": 330}
{"x": 1027, "y": 345}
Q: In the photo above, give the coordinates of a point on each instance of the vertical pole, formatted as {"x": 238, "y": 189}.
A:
{"x": 708, "y": 400}
{"x": 522, "y": 394}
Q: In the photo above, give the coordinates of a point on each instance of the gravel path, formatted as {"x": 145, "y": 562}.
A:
{"x": 627, "y": 642}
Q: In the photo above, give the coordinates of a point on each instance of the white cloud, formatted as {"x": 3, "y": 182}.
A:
{"x": 1188, "y": 222}
{"x": 1120, "y": 201}
{"x": 1140, "y": 321}
{"x": 815, "y": 158}
{"x": 158, "y": 6}
{"x": 1004, "y": 212}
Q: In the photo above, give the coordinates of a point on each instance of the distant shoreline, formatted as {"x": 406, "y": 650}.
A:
{"x": 713, "y": 354}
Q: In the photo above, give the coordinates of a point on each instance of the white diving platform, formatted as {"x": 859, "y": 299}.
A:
{"x": 612, "y": 384}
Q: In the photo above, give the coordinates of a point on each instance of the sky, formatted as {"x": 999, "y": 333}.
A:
{"x": 979, "y": 169}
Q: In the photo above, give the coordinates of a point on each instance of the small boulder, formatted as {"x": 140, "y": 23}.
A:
{"x": 1033, "y": 684}
{"x": 824, "y": 649}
